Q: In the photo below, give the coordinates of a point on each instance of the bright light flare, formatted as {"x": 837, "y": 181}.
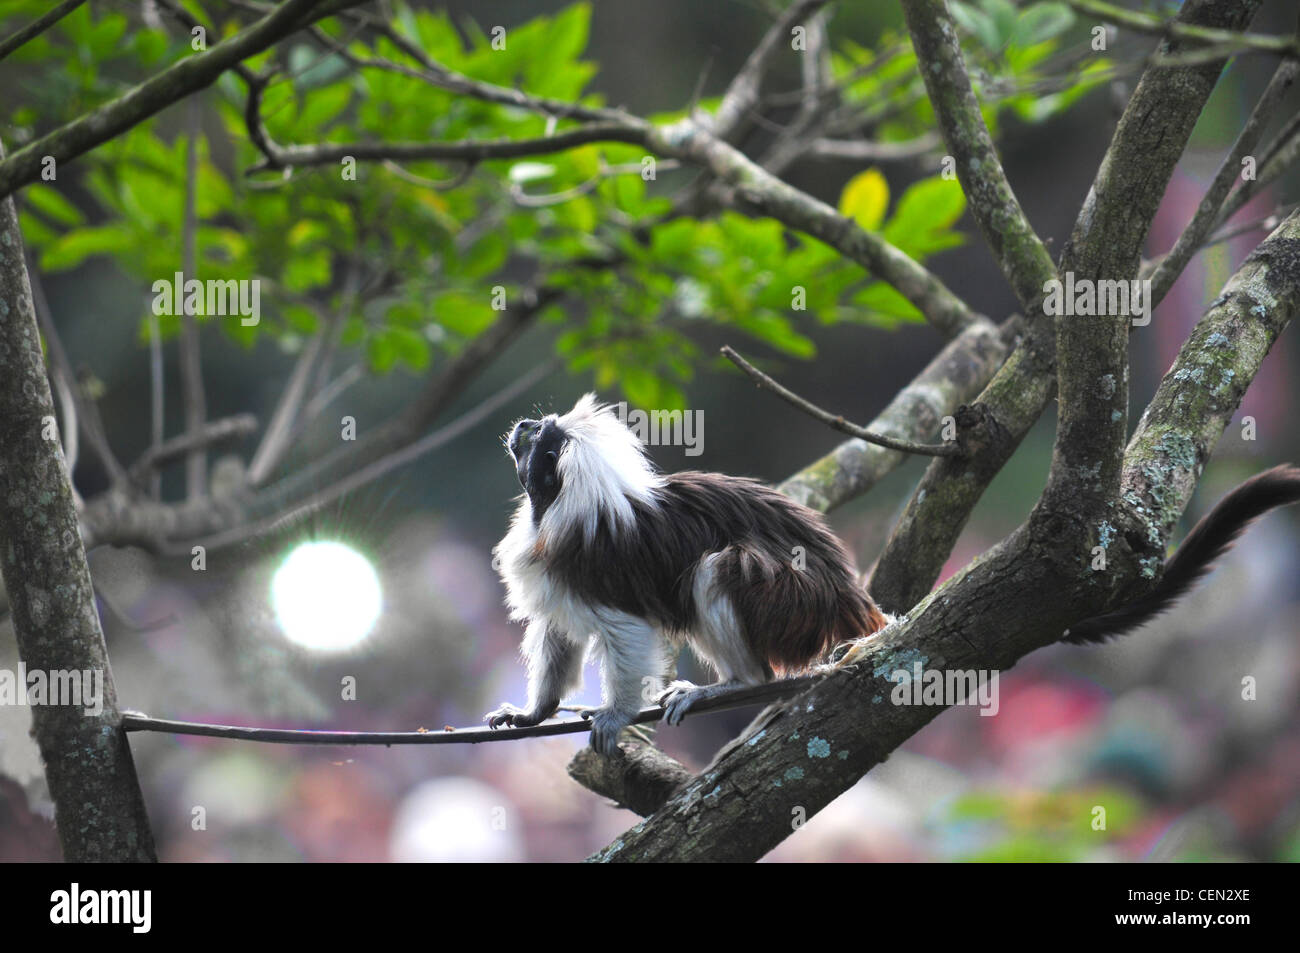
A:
{"x": 326, "y": 596}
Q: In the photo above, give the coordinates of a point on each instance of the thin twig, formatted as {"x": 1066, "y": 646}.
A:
{"x": 212, "y": 432}
{"x": 374, "y": 470}
{"x": 88, "y": 418}
{"x": 740, "y": 698}
{"x": 836, "y": 421}
{"x": 1207, "y": 210}
{"x": 37, "y": 27}
{"x": 194, "y": 399}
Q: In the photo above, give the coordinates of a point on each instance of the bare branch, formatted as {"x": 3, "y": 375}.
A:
{"x": 1112, "y": 226}
{"x": 1019, "y": 251}
{"x": 1224, "y": 41}
{"x": 278, "y": 436}
{"x": 193, "y": 398}
{"x": 862, "y": 150}
{"x": 87, "y": 414}
{"x": 957, "y": 374}
{"x": 1106, "y": 244}
{"x": 1207, "y": 212}
{"x": 745, "y": 697}
{"x": 835, "y": 421}
{"x": 212, "y": 432}
{"x": 741, "y": 95}
{"x": 37, "y": 26}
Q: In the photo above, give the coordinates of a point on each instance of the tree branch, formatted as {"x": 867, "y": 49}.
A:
{"x": 177, "y": 81}
{"x": 193, "y": 399}
{"x": 834, "y": 420}
{"x": 1092, "y": 352}
{"x": 38, "y": 26}
{"x": 741, "y": 95}
{"x": 212, "y": 432}
{"x": 1110, "y": 230}
{"x": 1019, "y": 251}
{"x": 800, "y": 755}
{"x": 1208, "y": 211}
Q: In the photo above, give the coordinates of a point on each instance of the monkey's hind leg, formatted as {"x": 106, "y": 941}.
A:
{"x": 632, "y": 665}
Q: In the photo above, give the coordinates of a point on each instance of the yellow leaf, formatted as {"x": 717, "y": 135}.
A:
{"x": 866, "y": 199}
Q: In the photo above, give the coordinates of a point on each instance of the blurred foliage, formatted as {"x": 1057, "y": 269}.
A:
{"x": 428, "y": 260}
{"x": 1038, "y": 826}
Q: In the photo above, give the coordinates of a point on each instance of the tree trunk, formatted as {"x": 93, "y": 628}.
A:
{"x": 98, "y": 806}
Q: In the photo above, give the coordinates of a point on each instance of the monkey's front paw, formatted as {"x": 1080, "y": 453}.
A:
{"x": 605, "y": 727}
{"x": 677, "y": 699}
{"x": 511, "y": 717}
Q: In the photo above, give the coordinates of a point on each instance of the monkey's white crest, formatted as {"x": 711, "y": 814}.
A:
{"x": 602, "y": 467}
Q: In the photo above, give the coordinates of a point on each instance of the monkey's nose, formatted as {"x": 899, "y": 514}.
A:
{"x": 524, "y": 430}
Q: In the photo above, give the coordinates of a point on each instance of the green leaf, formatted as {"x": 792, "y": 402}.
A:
{"x": 463, "y": 314}
{"x": 72, "y": 248}
{"x": 1042, "y": 21}
{"x": 776, "y": 331}
{"x": 925, "y": 214}
{"x": 976, "y": 23}
{"x": 51, "y": 203}
{"x": 865, "y": 199}
{"x": 410, "y": 346}
{"x": 879, "y": 300}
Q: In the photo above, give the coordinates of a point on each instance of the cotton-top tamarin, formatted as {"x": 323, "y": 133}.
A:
{"x": 607, "y": 557}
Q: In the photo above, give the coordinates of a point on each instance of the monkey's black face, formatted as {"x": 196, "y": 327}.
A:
{"x": 536, "y": 446}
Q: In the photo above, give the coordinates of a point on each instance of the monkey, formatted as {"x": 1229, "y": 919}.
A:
{"x": 608, "y": 558}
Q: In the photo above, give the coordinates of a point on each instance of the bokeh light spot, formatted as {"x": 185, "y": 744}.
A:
{"x": 326, "y": 596}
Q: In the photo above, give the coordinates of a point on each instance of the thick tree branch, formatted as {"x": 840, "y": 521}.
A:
{"x": 1106, "y": 244}
{"x": 1198, "y": 396}
{"x": 1019, "y": 251}
{"x": 800, "y": 755}
{"x": 1111, "y": 228}
{"x": 956, "y": 375}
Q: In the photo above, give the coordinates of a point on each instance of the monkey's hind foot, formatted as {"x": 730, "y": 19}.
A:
{"x": 509, "y": 716}
{"x": 606, "y": 724}
{"x": 680, "y": 696}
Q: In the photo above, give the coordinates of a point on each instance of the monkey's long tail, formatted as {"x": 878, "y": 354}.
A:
{"x": 1208, "y": 540}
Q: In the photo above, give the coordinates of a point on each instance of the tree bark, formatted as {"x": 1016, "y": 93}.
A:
{"x": 99, "y": 809}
